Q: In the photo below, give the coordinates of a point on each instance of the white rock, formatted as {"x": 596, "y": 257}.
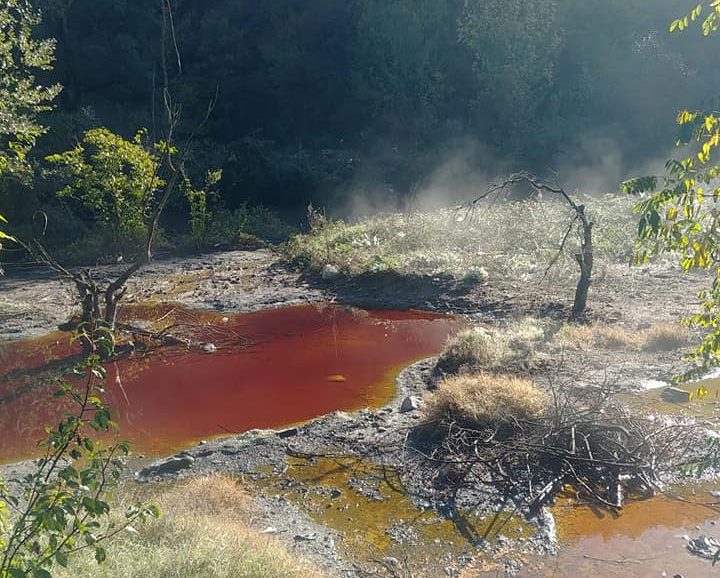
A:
{"x": 209, "y": 348}
{"x": 330, "y": 272}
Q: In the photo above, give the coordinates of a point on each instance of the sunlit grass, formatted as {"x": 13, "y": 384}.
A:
{"x": 205, "y": 531}
{"x": 484, "y": 399}
{"x": 518, "y": 239}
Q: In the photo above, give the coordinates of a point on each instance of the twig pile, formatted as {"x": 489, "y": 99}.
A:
{"x": 585, "y": 440}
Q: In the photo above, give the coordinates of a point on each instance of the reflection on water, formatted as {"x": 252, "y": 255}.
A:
{"x": 647, "y": 539}
{"x": 368, "y": 506}
{"x": 290, "y": 372}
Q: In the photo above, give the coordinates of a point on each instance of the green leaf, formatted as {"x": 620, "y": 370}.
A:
{"x": 100, "y": 555}
{"x": 62, "y": 559}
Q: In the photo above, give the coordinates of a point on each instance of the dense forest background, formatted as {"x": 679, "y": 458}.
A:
{"x": 330, "y": 101}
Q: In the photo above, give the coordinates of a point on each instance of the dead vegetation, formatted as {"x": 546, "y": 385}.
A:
{"x": 205, "y": 531}
{"x": 487, "y": 424}
{"x": 660, "y": 337}
{"x": 492, "y": 349}
{"x": 666, "y": 337}
{"x": 530, "y": 442}
{"x": 482, "y": 399}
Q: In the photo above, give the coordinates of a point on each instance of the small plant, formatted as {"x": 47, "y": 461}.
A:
{"x": 61, "y": 507}
{"x": 473, "y": 350}
{"x": 200, "y": 215}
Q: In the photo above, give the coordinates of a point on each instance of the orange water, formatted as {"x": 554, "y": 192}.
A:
{"x": 302, "y": 362}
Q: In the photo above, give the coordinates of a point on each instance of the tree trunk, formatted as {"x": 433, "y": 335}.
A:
{"x": 585, "y": 261}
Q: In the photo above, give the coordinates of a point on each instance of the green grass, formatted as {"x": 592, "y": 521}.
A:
{"x": 516, "y": 239}
{"x": 204, "y": 531}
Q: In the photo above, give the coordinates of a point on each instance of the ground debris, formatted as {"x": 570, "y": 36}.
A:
{"x": 704, "y": 546}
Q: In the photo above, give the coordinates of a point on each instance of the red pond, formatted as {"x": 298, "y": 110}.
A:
{"x": 301, "y": 362}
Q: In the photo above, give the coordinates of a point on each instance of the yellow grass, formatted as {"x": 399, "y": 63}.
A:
{"x": 597, "y": 336}
{"x": 484, "y": 399}
{"x": 660, "y": 337}
{"x": 666, "y": 337}
{"x": 205, "y": 531}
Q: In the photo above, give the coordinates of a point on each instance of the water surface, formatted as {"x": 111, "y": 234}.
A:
{"x": 272, "y": 368}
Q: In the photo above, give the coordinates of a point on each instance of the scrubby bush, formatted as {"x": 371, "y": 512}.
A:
{"x": 478, "y": 399}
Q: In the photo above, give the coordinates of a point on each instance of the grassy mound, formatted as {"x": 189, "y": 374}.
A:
{"x": 517, "y": 240}
{"x": 482, "y": 399}
{"x": 491, "y": 349}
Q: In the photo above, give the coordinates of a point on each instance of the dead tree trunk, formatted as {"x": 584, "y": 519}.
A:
{"x": 584, "y": 260}
{"x": 584, "y": 257}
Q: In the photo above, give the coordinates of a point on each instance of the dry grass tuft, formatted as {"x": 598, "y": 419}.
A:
{"x": 666, "y": 337}
{"x": 482, "y": 349}
{"x": 204, "y": 532}
{"x": 473, "y": 350}
{"x": 474, "y": 400}
{"x": 597, "y": 336}
{"x": 658, "y": 338}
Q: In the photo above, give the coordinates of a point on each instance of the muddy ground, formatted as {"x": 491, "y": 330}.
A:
{"x": 34, "y": 303}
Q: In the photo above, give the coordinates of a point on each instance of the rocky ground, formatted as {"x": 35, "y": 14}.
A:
{"x": 32, "y": 304}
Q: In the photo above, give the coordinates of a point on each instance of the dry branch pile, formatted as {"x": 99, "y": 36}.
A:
{"x": 585, "y": 439}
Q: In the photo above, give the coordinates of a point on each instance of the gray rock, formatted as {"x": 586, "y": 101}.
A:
{"x": 676, "y": 395}
{"x": 171, "y": 465}
{"x": 410, "y": 403}
{"x": 330, "y": 272}
{"x": 704, "y": 546}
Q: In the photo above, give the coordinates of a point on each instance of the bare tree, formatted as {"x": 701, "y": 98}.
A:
{"x": 584, "y": 257}
{"x": 100, "y": 299}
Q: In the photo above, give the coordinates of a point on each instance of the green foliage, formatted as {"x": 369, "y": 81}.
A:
{"x": 200, "y": 216}
{"x": 114, "y": 179}
{"x": 22, "y": 96}
{"x": 679, "y": 213}
{"x": 61, "y": 507}
{"x": 709, "y": 24}
{"x": 247, "y": 225}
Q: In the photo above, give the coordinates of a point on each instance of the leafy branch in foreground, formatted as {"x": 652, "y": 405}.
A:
{"x": 22, "y": 97}
{"x": 709, "y": 24}
{"x": 61, "y": 507}
{"x": 679, "y": 211}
